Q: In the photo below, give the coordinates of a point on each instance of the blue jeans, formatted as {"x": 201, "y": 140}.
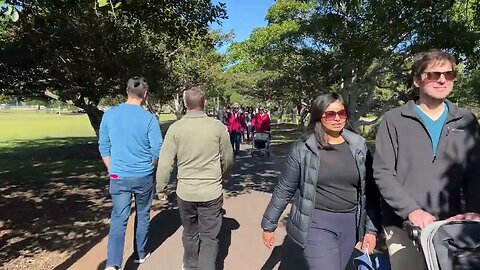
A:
{"x": 235, "y": 138}
{"x": 122, "y": 190}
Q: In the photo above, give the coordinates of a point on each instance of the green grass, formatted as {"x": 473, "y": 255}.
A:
{"x": 36, "y": 146}
{"x": 28, "y": 125}
{"x": 18, "y": 125}
{"x": 54, "y": 181}
{"x": 286, "y": 133}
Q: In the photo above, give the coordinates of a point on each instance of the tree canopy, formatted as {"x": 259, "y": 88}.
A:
{"x": 81, "y": 52}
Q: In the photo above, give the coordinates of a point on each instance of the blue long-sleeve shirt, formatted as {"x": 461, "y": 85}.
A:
{"x": 131, "y": 137}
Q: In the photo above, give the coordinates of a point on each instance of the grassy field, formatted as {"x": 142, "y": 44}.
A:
{"x": 16, "y": 126}
{"x": 38, "y": 146}
{"x": 21, "y": 125}
{"x": 52, "y": 175}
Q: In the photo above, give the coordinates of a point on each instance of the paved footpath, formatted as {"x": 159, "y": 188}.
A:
{"x": 247, "y": 194}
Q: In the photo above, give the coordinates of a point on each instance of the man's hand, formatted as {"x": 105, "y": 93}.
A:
{"x": 421, "y": 218}
{"x": 369, "y": 242}
{"x": 162, "y": 196}
{"x": 106, "y": 161}
{"x": 466, "y": 216}
{"x": 268, "y": 239}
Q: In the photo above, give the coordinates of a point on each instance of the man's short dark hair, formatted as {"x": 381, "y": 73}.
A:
{"x": 137, "y": 86}
{"x": 194, "y": 98}
{"x": 423, "y": 60}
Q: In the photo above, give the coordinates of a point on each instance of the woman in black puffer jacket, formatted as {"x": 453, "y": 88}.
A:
{"x": 328, "y": 175}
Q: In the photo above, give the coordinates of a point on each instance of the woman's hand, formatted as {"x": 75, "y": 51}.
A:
{"x": 466, "y": 216}
{"x": 268, "y": 238}
{"x": 369, "y": 242}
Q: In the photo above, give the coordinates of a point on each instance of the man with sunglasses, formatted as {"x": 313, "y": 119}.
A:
{"x": 427, "y": 159}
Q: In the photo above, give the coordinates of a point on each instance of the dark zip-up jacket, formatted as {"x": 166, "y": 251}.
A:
{"x": 299, "y": 181}
{"x": 410, "y": 176}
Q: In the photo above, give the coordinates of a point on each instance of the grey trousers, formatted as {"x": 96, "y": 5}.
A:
{"x": 201, "y": 226}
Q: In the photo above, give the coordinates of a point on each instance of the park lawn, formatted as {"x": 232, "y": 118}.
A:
{"x": 25, "y": 125}
{"x": 52, "y": 175}
{"x": 18, "y": 125}
{"x": 38, "y": 146}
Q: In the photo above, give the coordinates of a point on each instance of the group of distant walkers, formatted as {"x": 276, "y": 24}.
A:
{"x": 426, "y": 167}
{"x": 240, "y": 122}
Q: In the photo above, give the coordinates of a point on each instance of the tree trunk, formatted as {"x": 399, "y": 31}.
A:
{"x": 95, "y": 117}
{"x": 281, "y": 111}
{"x": 177, "y": 107}
{"x": 303, "y": 112}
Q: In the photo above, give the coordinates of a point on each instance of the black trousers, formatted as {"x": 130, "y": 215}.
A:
{"x": 201, "y": 226}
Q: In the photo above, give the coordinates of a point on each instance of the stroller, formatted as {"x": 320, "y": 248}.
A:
{"x": 448, "y": 244}
{"x": 261, "y": 143}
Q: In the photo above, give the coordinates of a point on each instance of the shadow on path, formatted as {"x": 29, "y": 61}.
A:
{"x": 289, "y": 255}
{"x": 260, "y": 173}
{"x": 249, "y": 174}
{"x": 162, "y": 227}
{"x": 225, "y": 240}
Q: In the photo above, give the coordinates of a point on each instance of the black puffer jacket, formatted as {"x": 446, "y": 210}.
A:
{"x": 299, "y": 180}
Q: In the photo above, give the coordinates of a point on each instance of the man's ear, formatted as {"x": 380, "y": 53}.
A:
{"x": 417, "y": 81}
{"x": 205, "y": 103}
{"x": 185, "y": 103}
{"x": 145, "y": 95}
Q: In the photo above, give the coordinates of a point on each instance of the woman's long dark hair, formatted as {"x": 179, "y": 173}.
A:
{"x": 318, "y": 107}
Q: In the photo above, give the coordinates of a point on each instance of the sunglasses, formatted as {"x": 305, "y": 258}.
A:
{"x": 331, "y": 115}
{"x": 435, "y": 75}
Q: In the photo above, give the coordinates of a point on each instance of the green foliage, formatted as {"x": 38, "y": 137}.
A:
{"x": 467, "y": 88}
{"x": 4, "y": 99}
{"x": 36, "y": 102}
{"x": 102, "y": 3}
{"x": 200, "y": 64}
{"x": 10, "y": 12}
{"x": 82, "y": 54}
{"x": 110, "y": 101}
{"x": 234, "y": 97}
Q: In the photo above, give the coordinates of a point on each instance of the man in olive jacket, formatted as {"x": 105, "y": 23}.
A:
{"x": 201, "y": 147}
{"x": 427, "y": 156}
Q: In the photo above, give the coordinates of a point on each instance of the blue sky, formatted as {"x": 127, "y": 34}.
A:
{"x": 244, "y": 16}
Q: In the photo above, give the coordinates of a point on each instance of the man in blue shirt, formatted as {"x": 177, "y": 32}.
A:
{"x": 129, "y": 143}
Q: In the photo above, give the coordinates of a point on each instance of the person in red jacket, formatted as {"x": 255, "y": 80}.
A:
{"x": 236, "y": 124}
{"x": 261, "y": 121}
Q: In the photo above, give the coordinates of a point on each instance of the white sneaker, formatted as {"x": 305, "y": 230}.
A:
{"x": 111, "y": 268}
{"x": 140, "y": 261}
